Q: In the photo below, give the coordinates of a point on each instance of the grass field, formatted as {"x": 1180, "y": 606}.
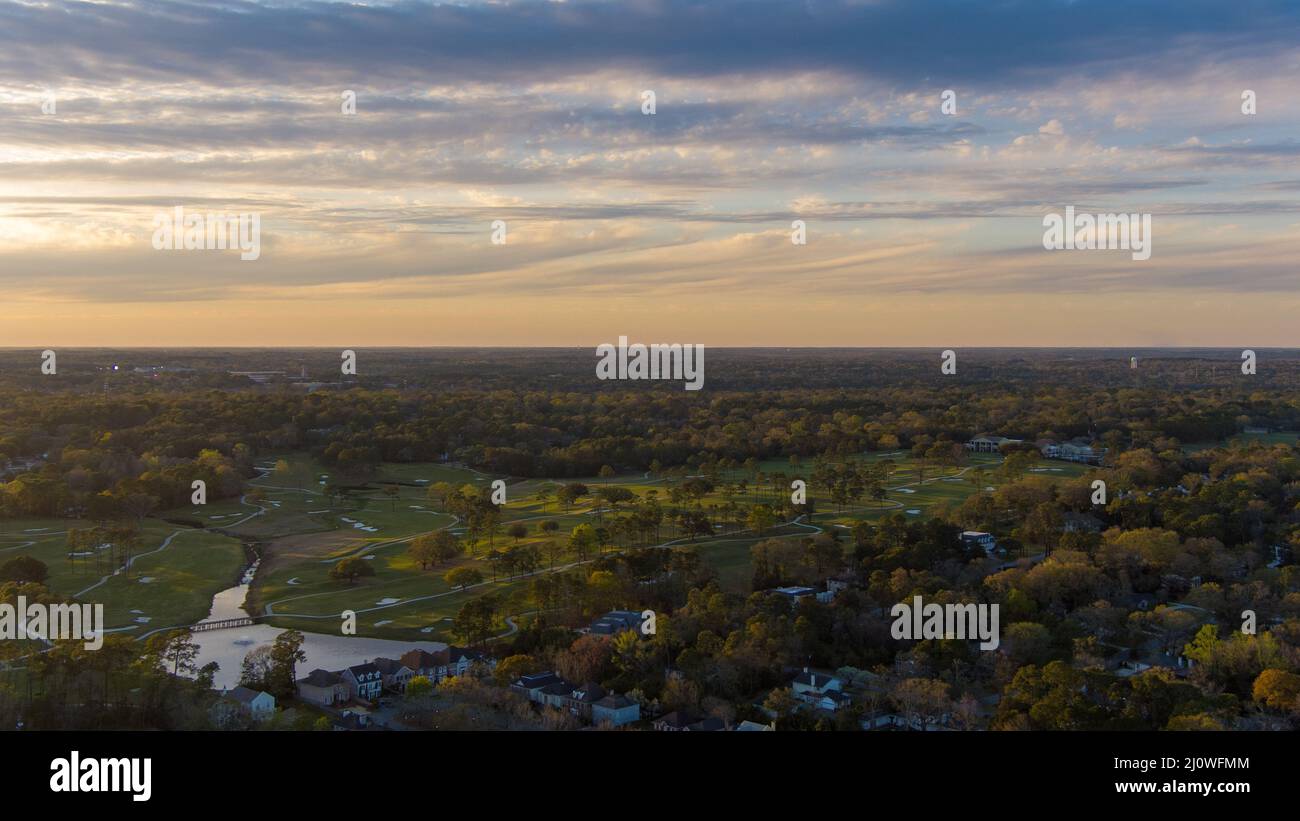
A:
{"x": 303, "y": 533}
{"x": 165, "y": 586}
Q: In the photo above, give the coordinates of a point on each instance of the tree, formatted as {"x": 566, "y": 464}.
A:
{"x": 418, "y": 687}
{"x": 463, "y": 577}
{"x": 24, "y": 569}
{"x": 286, "y": 654}
{"x": 780, "y": 702}
{"x": 180, "y": 652}
{"x": 587, "y": 659}
{"x": 760, "y": 519}
{"x": 570, "y": 493}
{"x": 423, "y": 551}
{"x": 475, "y": 622}
{"x": 393, "y": 492}
{"x": 439, "y": 493}
{"x": 581, "y": 540}
{"x": 923, "y": 701}
{"x": 512, "y": 667}
{"x": 1277, "y": 690}
{"x": 351, "y": 569}
{"x": 517, "y": 531}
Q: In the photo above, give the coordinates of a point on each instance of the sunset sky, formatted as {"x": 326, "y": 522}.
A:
{"x": 923, "y": 228}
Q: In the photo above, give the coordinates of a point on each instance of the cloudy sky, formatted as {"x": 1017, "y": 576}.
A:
{"x": 923, "y": 228}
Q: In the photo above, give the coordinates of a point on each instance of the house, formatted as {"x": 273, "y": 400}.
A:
{"x": 237, "y": 706}
{"x": 323, "y": 687}
{"x": 820, "y": 690}
{"x": 459, "y": 660}
{"x": 674, "y": 722}
{"x": 352, "y": 720}
{"x": 445, "y": 663}
{"x": 432, "y": 666}
{"x": 557, "y": 695}
{"x": 808, "y": 683}
{"x": 990, "y": 444}
{"x": 617, "y": 621}
{"x": 257, "y": 703}
{"x": 794, "y": 594}
{"x": 707, "y": 725}
{"x": 364, "y": 681}
{"x": 581, "y": 699}
{"x": 754, "y": 727}
{"x": 973, "y": 539}
{"x": 830, "y": 701}
{"x": 532, "y": 685}
{"x": 615, "y": 711}
{"x": 394, "y": 674}
{"x": 1076, "y": 450}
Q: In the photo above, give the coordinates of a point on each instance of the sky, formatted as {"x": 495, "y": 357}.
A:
{"x": 923, "y": 225}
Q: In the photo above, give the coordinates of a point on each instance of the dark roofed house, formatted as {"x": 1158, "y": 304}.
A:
{"x": 322, "y": 687}
{"x": 581, "y": 699}
{"x": 616, "y": 621}
{"x": 432, "y": 666}
{"x": 394, "y": 674}
{"x": 557, "y": 694}
{"x": 242, "y": 703}
{"x": 674, "y": 722}
{"x": 615, "y": 710}
{"x": 532, "y": 685}
{"x": 459, "y": 660}
{"x": 364, "y": 681}
{"x": 707, "y": 725}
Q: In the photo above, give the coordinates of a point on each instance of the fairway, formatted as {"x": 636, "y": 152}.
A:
{"x": 301, "y": 532}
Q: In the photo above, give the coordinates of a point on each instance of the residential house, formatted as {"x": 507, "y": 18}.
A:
{"x": 748, "y": 726}
{"x": 707, "y": 725}
{"x": 432, "y": 666}
{"x": 459, "y": 660}
{"x": 820, "y": 690}
{"x": 323, "y": 687}
{"x": 531, "y": 686}
{"x": 257, "y": 703}
{"x": 557, "y": 695}
{"x": 581, "y": 699}
{"x": 364, "y": 681}
{"x": 794, "y": 594}
{"x": 615, "y": 711}
{"x": 973, "y": 539}
{"x": 1076, "y": 450}
{"x": 674, "y": 722}
{"x": 617, "y": 621}
{"x": 394, "y": 674}
{"x": 990, "y": 444}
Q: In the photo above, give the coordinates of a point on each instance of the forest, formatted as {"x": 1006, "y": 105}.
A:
{"x": 1126, "y": 613}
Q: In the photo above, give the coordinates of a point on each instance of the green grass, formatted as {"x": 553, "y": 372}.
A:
{"x": 305, "y": 534}
{"x": 184, "y": 576}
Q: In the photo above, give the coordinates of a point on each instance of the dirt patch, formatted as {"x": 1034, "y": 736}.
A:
{"x": 308, "y": 546}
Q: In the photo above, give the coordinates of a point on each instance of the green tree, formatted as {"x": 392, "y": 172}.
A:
{"x": 351, "y": 569}
{"x": 463, "y": 577}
